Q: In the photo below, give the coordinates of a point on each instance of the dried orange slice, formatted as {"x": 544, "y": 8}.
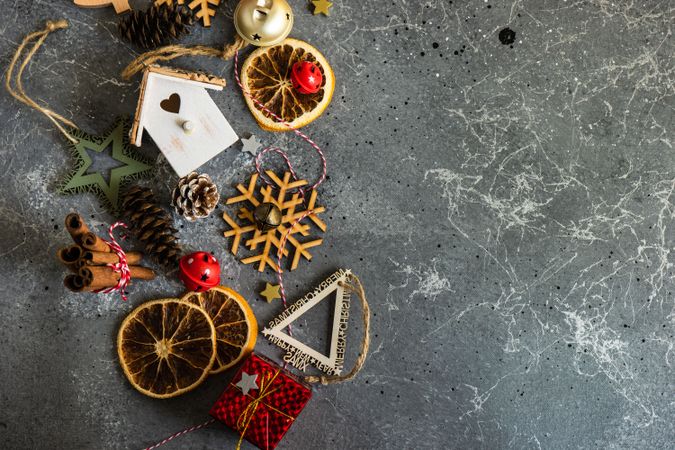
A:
{"x": 266, "y": 74}
{"x": 166, "y": 347}
{"x": 236, "y": 326}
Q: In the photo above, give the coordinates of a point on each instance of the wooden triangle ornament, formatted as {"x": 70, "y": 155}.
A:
{"x": 300, "y": 355}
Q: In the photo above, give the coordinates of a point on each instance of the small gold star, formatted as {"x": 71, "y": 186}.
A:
{"x": 322, "y": 7}
{"x": 271, "y": 292}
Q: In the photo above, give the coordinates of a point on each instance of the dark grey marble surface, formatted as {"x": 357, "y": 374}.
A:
{"x": 508, "y": 207}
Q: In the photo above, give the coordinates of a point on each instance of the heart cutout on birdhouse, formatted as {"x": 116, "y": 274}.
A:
{"x": 171, "y": 104}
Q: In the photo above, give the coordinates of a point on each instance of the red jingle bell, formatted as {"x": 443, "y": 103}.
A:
{"x": 306, "y": 77}
{"x": 199, "y": 271}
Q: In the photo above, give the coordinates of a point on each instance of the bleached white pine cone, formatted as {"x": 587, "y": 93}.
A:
{"x": 195, "y": 196}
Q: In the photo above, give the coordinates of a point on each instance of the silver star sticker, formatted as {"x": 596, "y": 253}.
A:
{"x": 247, "y": 382}
{"x": 251, "y": 145}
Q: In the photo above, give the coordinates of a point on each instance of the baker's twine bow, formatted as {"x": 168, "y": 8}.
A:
{"x": 248, "y": 413}
{"x": 121, "y": 267}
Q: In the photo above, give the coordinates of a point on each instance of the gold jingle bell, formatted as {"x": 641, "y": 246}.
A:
{"x": 263, "y": 22}
{"x": 267, "y": 216}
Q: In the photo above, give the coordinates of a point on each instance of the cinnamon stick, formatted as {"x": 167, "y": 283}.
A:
{"x": 69, "y": 256}
{"x": 101, "y": 277}
{"x": 94, "y": 243}
{"x": 75, "y": 283}
{"x": 76, "y": 227}
{"x": 90, "y": 258}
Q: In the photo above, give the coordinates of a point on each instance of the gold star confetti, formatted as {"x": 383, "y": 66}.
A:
{"x": 271, "y": 292}
{"x": 322, "y": 7}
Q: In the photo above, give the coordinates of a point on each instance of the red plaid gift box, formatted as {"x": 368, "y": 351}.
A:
{"x": 261, "y": 402}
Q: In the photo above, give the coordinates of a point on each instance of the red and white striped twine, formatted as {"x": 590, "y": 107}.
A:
{"x": 282, "y": 245}
{"x": 275, "y": 149}
{"x": 122, "y": 267}
{"x": 181, "y": 433}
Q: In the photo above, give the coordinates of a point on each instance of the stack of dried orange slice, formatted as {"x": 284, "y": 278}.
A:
{"x": 168, "y": 347}
{"x": 266, "y": 75}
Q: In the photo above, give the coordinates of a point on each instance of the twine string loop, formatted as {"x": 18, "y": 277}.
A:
{"x": 19, "y": 93}
{"x": 169, "y": 52}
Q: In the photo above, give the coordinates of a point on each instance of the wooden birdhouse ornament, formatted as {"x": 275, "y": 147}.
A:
{"x": 180, "y": 116}
{"x": 120, "y": 5}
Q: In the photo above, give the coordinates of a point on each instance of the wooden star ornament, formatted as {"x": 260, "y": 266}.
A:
{"x": 322, "y": 7}
{"x": 271, "y": 292}
{"x": 250, "y": 145}
{"x": 133, "y": 165}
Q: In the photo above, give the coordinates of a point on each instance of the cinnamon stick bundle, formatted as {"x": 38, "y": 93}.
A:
{"x": 89, "y": 259}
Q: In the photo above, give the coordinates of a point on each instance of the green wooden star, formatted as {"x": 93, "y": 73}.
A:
{"x": 135, "y": 166}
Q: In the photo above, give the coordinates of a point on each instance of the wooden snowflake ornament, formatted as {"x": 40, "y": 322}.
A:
{"x": 202, "y": 8}
{"x": 265, "y": 244}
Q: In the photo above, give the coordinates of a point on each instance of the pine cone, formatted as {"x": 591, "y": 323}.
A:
{"x": 152, "y": 226}
{"x": 156, "y": 26}
{"x": 195, "y": 196}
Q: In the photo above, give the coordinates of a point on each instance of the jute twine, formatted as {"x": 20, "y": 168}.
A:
{"x": 355, "y": 287}
{"x": 19, "y": 93}
{"x": 170, "y": 52}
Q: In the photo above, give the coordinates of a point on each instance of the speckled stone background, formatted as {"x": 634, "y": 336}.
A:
{"x": 509, "y": 208}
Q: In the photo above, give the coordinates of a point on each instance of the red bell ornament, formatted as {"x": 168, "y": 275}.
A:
{"x": 306, "y": 77}
{"x": 199, "y": 271}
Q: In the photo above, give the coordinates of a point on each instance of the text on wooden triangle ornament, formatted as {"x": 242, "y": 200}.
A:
{"x": 183, "y": 120}
{"x": 301, "y": 355}
{"x": 264, "y": 244}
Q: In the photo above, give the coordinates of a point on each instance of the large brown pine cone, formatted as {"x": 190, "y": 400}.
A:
{"x": 152, "y": 226}
{"x": 158, "y": 25}
{"x": 195, "y": 196}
